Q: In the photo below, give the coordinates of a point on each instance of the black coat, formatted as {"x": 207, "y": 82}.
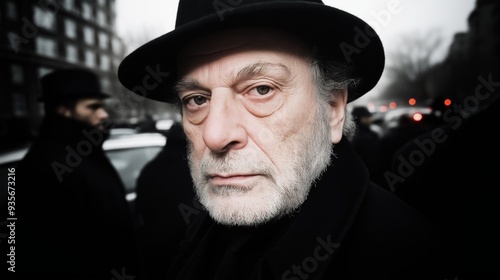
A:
{"x": 73, "y": 218}
{"x": 366, "y": 143}
{"x": 450, "y": 174}
{"x": 348, "y": 228}
{"x": 165, "y": 206}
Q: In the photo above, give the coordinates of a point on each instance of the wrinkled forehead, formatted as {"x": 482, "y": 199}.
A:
{"x": 242, "y": 39}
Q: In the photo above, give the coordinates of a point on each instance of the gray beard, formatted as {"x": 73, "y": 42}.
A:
{"x": 308, "y": 154}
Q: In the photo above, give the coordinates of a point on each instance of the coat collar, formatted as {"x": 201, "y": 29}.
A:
{"x": 69, "y": 131}
{"x": 326, "y": 215}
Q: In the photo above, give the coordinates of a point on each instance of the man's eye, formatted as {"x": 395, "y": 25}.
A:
{"x": 95, "y": 107}
{"x": 263, "y": 90}
{"x": 198, "y": 100}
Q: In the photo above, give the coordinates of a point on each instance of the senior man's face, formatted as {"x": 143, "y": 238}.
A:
{"x": 258, "y": 134}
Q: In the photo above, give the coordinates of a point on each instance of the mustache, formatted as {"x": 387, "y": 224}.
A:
{"x": 234, "y": 163}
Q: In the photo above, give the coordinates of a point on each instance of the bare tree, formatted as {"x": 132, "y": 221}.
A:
{"x": 410, "y": 64}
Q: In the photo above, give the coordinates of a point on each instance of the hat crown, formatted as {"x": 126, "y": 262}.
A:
{"x": 70, "y": 83}
{"x": 336, "y": 34}
{"x": 361, "y": 111}
{"x": 192, "y": 10}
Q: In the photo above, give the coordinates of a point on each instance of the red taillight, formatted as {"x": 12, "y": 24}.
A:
{"x": 417, "y": 117}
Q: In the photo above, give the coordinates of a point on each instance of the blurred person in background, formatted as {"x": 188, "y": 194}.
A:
{"x": 74, "y": 221}
{"x": 263, "y": 88}
{"x": 165, "y": 204}
{"x": 366, "y": 141}
{"x": 146, "y": 125}
{"x": 393, "y": 139}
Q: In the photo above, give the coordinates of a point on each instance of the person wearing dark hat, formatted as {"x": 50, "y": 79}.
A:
{"x": 263, "y": 87}
{"x": 75, "y": 93}
{"x": 73, "y": 218}
{"x": 366, "y": 140}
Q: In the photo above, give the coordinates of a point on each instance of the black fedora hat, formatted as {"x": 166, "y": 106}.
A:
{"x": 74, "y": 83}
{"x": 150, "y": 70}
{"x": 360, "y": 111}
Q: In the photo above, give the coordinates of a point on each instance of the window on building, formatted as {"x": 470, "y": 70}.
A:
{"x": 90, "y": 58}
{"x": 101, "y": 18}
{"x": 17, "y": 74}
{"x": 11, "y": 10}
{"x": 69, "y": 5}
{"x": 70, "y": 28}
{"x": 71, "y": 53}
{"x": 87, "y": 11}
{"x": 42, "y": 71}
{"x": 117, "y": 46}
{"x": 113, "y": 7}
{"x": 105, "y": 84}
{"x": 46, "y": 46}
{"x": 19, "y": 107}
{"x": 103, "y": 41}
{"x": 116, "y": 62}
{"x": 44, "y": 18}
{"x": 105, "y": 62}
{"x": 88, "y": 35}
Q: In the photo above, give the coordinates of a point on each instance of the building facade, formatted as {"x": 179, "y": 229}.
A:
{"x": 40, "y": 36}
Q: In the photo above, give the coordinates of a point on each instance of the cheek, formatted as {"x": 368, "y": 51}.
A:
{"x": 276, "y": 132}
{"x": 194, "y": 136}
{"x": 266, "y": 135}
{"x": 296, "y": 118}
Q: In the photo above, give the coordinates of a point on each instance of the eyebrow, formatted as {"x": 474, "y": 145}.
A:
{"x": 246, "y": 73}
{"x": 95, "y": 105}
{"x": 260, "y": 68}
{"x": 187, "y": 84}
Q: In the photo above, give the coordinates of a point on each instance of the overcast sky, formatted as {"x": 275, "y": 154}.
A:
{"x": 147, "y": 19}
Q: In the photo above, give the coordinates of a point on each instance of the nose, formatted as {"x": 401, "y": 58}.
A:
{"x": 224, "y": 129}
{"x": 103, "y": 114}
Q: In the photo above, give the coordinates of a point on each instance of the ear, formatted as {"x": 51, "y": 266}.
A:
{"x": 337, "y": 115}
{"x": 64, "y": 111}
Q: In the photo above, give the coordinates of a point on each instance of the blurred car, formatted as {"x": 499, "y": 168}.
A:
{"x": 392, "y": 117}
{"x": 164, "y": 125}
{"x": 119, "y": 132}
{"x": 128, "y": 153}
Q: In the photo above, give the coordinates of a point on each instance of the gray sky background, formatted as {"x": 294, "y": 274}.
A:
{"x": 146, "y": 19}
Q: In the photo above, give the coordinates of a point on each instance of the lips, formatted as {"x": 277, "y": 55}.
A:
{"x": 231, "y": 179}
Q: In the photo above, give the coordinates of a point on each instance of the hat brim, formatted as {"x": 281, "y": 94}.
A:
{"x": 58, "y": 97}
{"x": 339, "y": 34}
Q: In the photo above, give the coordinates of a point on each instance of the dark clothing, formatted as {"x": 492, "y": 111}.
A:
{"x": 366, "y": 143}
{"x": 451, "y": 176}
{"x": 148, "y": 124}
{"x": 73, "y": 218}
{"x": 165, "y": 205}
{"x": 348, "y": 228}
{"x": 391, "y": 141}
